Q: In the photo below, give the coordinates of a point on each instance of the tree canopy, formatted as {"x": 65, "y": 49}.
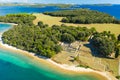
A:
{"x": 40, "y": 39}
{"x": 44, "y": 40}
{"x": 18, "y": 18}
{"x": 104, "y": 43}
{"x": 84, "y": 16}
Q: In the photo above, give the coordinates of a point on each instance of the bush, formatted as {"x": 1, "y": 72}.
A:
{"x": 67, "y": 38}
{"x": 118, "y": 77}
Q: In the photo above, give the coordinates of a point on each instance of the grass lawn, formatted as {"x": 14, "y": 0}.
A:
{"x": 94, "y": 62}
{"x": 114, "y": 28}
{"x": 102, "y": 64}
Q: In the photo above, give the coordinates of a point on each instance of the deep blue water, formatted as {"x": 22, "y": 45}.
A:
{"x": 113, "y": 10}
{"x": 20, "y": 67}
{"x": 24, "y": 9}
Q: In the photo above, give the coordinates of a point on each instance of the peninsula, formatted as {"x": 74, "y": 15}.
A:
{"x": 57, "y": 41}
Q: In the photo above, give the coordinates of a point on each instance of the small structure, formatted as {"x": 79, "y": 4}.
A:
{"x": 71, "y": 48}
{"x": 75, "y": 45}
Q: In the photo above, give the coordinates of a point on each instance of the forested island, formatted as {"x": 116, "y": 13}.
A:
{"x": 37, "y": 5}
{"x": 84, "y": 16}
{"x": 44, "y": 40}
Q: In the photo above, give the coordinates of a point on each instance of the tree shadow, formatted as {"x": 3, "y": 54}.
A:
{"x": 72, "y": 59}
{"x": 95, "y": 53}
{"x": 40, "y": 56}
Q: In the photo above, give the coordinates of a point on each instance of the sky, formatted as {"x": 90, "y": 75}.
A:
{"x": 66, "y": 1}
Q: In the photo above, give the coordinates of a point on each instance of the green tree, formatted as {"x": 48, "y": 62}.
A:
{"x": 103, "y": 45}
{"x": 58, "y": 48}
{"x": 67, "y": 38}
{"x": 65, "y": 20}
{"x": 40, "y": 23}
{"x": 84, "y": 16}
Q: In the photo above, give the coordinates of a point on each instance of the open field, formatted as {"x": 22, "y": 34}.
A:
{"x": 97, "y": 63}
{"x": 94, "y": 62}
{"x": 114, "y": 28}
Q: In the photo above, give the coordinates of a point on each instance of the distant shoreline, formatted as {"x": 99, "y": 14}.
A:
{"x": 62, "y": 6}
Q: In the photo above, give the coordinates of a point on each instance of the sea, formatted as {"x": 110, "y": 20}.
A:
{"x": 15, "y": 66}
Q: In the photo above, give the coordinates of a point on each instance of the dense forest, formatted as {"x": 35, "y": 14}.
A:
{"x": 44, "y": 40}
{"x": 18, "y": 18}
{"x": 84, "y": 16}
{"x": 104, "y": 43}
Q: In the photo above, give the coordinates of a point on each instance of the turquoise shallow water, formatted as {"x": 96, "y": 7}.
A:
{"x": 4, "y": 27}
{"x": 20, "y": 67}
{"x": 15, "y": 66}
